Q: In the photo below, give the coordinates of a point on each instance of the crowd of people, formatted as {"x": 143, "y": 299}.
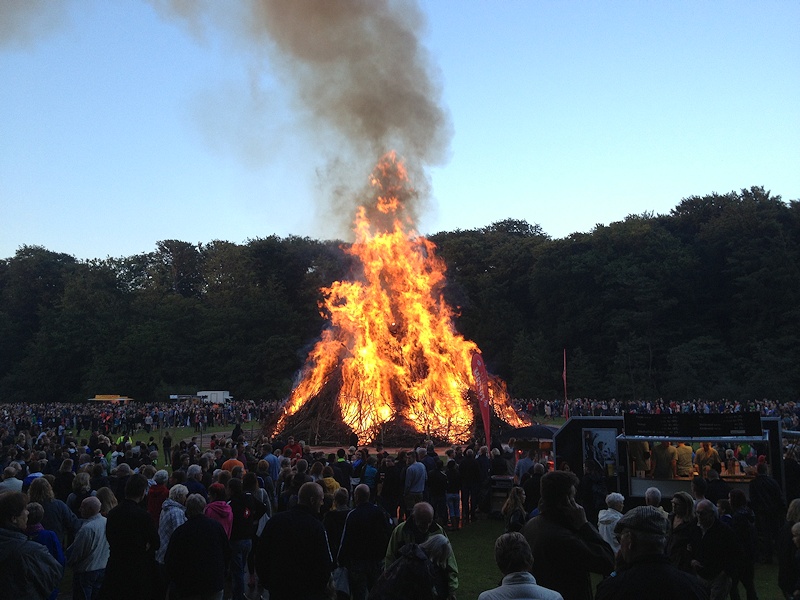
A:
{"x": 545, "y": 410}
{"x": 275, "y": 518}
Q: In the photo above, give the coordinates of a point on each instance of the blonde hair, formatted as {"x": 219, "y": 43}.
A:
{"x": 514, "y": 501}
{"x": 107, "y": 500}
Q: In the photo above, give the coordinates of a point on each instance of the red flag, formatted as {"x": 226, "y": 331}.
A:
{"x": 481, "y": 379}
{"x": 564, "y": 377}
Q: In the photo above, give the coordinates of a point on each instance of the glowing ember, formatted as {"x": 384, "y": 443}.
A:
{"x": 391, "y": 339}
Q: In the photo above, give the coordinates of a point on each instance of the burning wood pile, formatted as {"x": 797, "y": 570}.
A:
{"x": 389, "y": 367}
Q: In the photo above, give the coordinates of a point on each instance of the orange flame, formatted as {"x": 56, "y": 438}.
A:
{"x": 391, "y": 332}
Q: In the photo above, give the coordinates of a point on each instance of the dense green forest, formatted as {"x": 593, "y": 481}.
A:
{"x": 701, "y": 303}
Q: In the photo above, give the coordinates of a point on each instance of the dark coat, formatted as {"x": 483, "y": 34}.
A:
{"x": 681, "y": 541}
{"x": 299, "y": 535}
{"x": 788, "y": 572}
{"x": 366, "y": 534}
{"x": 563, "y": 558}
{"x": 654, "y": 578}
{"x": 718, "y": 550}
{"x": 198, "y": 537}
{"x": 27, "y": 570}
{"x": 133, "y": 541}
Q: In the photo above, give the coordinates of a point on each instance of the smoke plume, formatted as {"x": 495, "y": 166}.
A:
{"x": 361, "y": 82}
{"x": 23, "y": 22}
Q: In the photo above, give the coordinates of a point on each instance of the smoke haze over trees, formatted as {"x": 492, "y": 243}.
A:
{"x": 701, "y": 303}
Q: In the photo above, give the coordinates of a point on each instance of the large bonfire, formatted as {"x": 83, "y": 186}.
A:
{"x": 390, "y": 365}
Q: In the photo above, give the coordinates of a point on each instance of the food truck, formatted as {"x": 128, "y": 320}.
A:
{"x": 623, "y": 447}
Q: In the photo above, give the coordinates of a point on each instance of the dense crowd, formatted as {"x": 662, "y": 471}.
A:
{"x": 276, "y": 518}
{"x": 585, "y": 407}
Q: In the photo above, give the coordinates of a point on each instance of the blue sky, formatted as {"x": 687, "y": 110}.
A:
{"x": 119, "y": 127}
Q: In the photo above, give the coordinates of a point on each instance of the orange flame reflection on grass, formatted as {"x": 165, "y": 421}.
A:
{"x": 391, "y": 332}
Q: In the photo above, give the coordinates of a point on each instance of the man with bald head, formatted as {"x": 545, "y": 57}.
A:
{"x": 298, "y": 534}
{"x": 88, "y": 554}
{"x": 416, "y": 529}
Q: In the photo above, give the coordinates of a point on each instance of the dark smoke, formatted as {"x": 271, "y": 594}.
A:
{"x": 360, "y": 79}
{"x": 23, "y": 22}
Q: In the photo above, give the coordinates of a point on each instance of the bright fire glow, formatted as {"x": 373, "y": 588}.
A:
{"x": 391, "y": 334}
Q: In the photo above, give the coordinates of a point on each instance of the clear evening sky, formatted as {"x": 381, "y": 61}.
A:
{"x": 120, "y": 127}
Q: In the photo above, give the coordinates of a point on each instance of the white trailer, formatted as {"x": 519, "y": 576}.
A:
{"x": 215, "y": 396}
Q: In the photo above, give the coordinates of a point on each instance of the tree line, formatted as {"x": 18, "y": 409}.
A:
{"x": 702, "y": 302}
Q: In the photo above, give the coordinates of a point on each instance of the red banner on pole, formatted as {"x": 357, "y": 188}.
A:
{"x": 481, "y": 379}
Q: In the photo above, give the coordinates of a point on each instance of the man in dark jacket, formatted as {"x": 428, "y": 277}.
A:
{"x": 766, "y": 500}
{"x": 743, "y": 525}
{"x": 718, "y": 555}
{"x": 297, "y": 532}
{"x": 27, "y": 570}
{"x": 364, "y": 540}
{"x": 133, "y": 540}
{"x": 644, "y": 570}
{"x": 566, "y": 547}
{"x": 203, "y": 537}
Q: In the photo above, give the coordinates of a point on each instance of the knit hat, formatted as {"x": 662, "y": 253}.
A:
{"x": 647, "y": 519}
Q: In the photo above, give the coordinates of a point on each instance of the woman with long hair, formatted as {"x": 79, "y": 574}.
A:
{"x": 57, "y": 515}
{"x": 107, "y": 500}
{"x": 514, "y": 510}
{"x": 81, "y": 489}
{"x": 62, "y": 486}
{"x": 684, "y": 532}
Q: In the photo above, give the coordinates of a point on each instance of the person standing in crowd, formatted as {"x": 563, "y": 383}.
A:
{"x": 743, "y": 525}
{"x": 218, "y": 508}
{"x": 513, "y": 510}
{"x": 27, "y": 569}
{"x": 364, "y": 540}
{"x": 717, "y": 489}
{"x": 664, "y": 461}
{"x": 37, "y": 533}
{"x": 607, "y": 519}
{"x": 157, "y": 494}
{"x": 297, "y": 533}
{"x": 524, "y": 465}
{"x": 717, "y": 555}
{"x": 246, "y": 513}
{"x": 57, "y": 515}
{"x": 684, "y": 532}
{"x": 173, "y": 515}
{"x": 684, "y": 464}
{"x": 470, "y": 486}
{"x": 532, "y": 487}
{"x": 766, "y": 500}
{"x": 414, "y": 485}
{"x": 415, "y": 530}
{"x": 515, "y": 559}
{"x": 199, "y": 536}
{"x": 705, "y": 458}
{"x": 644, "y": 571}
{"x": 566, "y": 547}
{"x": 421, "y": 571}
{"x": 788, "y": 568}
{"x": 88, "y": 554}
{"x": 133, "y": 541}
{"x": 453, "y": 494}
